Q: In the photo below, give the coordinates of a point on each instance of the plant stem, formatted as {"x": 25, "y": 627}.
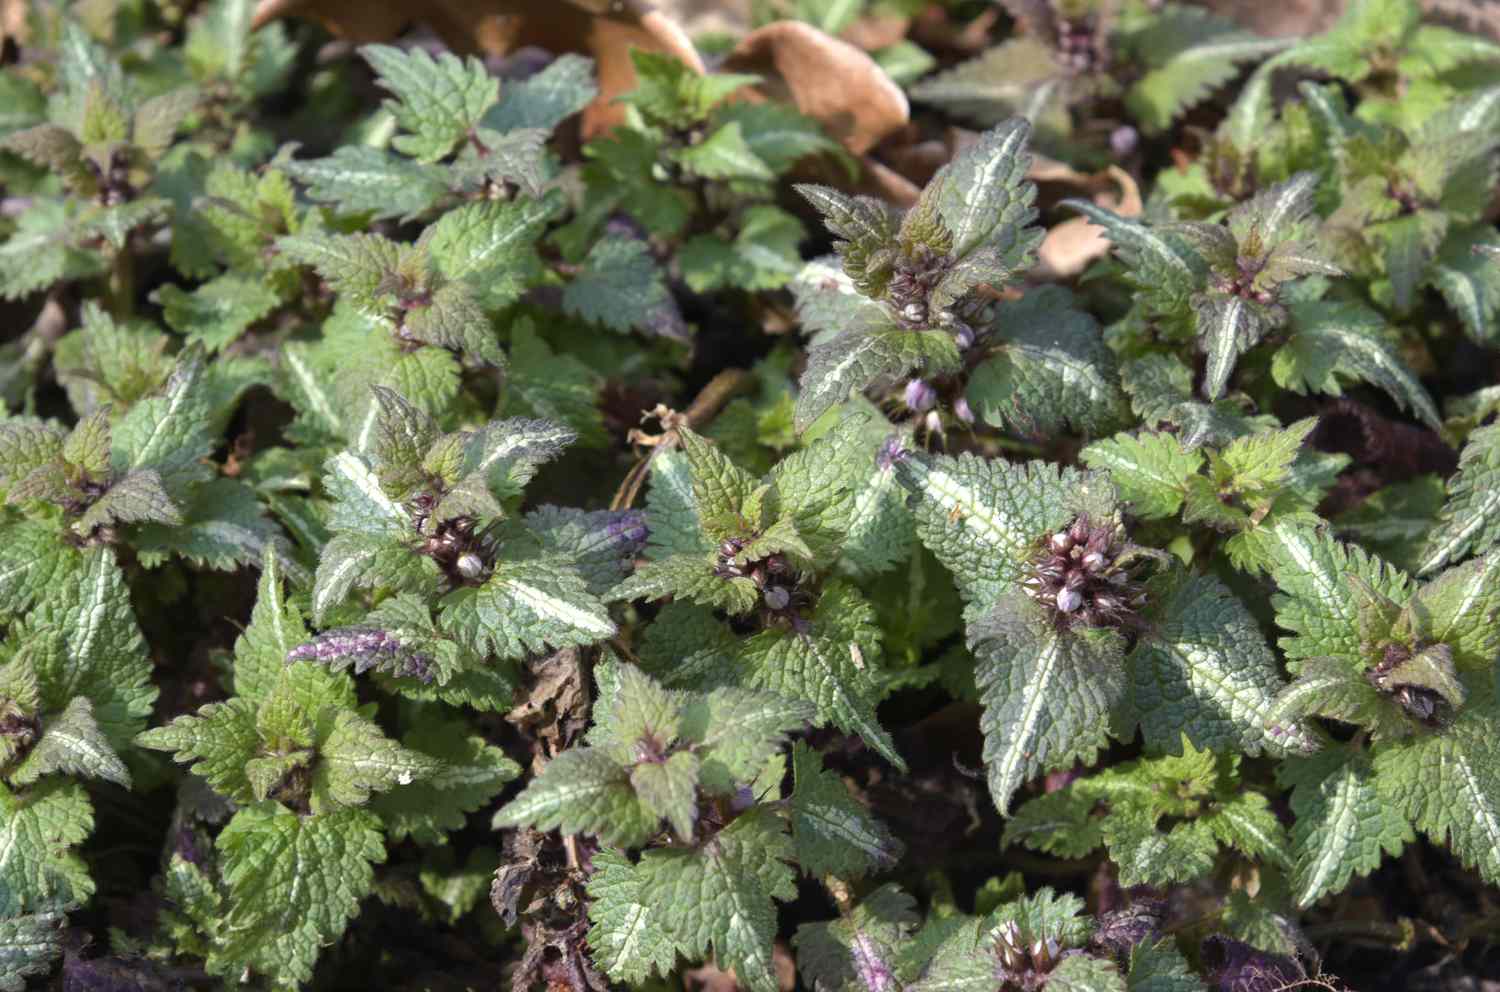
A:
{"x": 121, "y": 288}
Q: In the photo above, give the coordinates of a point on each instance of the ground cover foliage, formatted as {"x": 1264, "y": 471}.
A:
{"x": 1014, "y": 508}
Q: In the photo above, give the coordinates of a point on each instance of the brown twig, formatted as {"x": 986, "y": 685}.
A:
{"x": 705, "y": 406}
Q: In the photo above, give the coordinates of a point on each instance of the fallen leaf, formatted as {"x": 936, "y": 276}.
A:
{"x": 1072, "y": 245}
{"x": 605, "y": 29}
{"x": 829, "y": 80}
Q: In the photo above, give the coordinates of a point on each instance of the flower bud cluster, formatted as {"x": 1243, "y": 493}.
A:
{"x": 1078, "y": 48}
{"x": 1077, "y": 577}
{"x": 368, "y": 647}
{"x": 1025, "y": 964}
{"x": 1424, "y": 705}
{"x": 916, "y": 276}
{"x": 773, "y": 575}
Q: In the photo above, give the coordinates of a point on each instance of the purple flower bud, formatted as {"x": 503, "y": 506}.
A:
{"x": 778, "y": 597}
{"x": 1069, "y": 600}
{"x": 892, "y": 450}
{"x": 1124, "y": 140}
{"x": 964, "y": 337}
{"x": 934, "y": 422}
{"x": 919, "y": 396}
{"x": 1062, "y": 543}
{"x": 1093, "y": 561}
{"x": 963, "y": 411}
{"x": 629, "y": 527}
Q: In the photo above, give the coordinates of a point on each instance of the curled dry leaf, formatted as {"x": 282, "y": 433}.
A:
{"x": 827, "y": 79}
{"x": 1071, "y": 245}
{"x": 605, "y": 29}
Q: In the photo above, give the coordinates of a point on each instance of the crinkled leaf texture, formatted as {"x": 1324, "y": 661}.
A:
{"x": 1343, "y": 827}
{"x": 39, "y": 826}
{"x": 28, "y": 945}
{"x": 1203, "y": 668}
{"x": 1048, "y": 694}
{"x": 294, "y": 883}
{"x": 692, "y": 900}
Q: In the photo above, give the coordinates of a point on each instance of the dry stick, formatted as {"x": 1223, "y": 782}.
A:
{"x": 705, "y": 406}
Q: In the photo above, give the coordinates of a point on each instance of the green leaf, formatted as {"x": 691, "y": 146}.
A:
{"x": 39, "y": 827}
{"x": 27, "y": 445}
{"x": 1317, "y": 602}
{"x": 1333, "y": 340}
{"x": 217, "y": 312}
{"x": 135, "y": 497}
{"x": 669, "y": 789}
{"x": 983, "y": 194}
{"x": 1448, "y": 785}
{"x": 1160, "y": 967}
{"x": 1047, "y": 694}
{"x": 1454, "y": 610}
{"x": 1082, "y": 973}
{"x": 778, "y": 134}
{"x": 867, "y": 226}
{"x": 583, "y": 791}
{"x": 1409, "y": 244}
{"x": 41, "y": 251}
{"x": 82, "y": 640}
{"x": 356, "y": 759}
{"x": 859, "y": 359}
{"x": 1190, "y": 76}
{"x": 545, "y": 99}
{"x": 602, "y": 544}
{"x": 858, "y": 952}
{"x": 737, "y": 732}
{"x": 1051, "y": 371}
{"x": 438, "y": 101}
{"x": 356, "y": 265}
{"x": 223, "y": 526}
{"x": 621, "y": 287}
{"x": 626, "y": 937}
{"x": 834, "y": 834}
{"x": 1150, "y": 469}
{"x": 32, "y": 562}
{"x": 1205, "y": 671}
{"x": 763, "y": 255}
{"x": 985, "y": 518}
{"x": 55, "y": 149}
{"x": 719, "y": 895}
{"x": 491, "y": 247}
{"x": 1469, "y": 522}
{"x": 1257, "y": 464}
{"x": 826, "y": 666}
{"x": 1466, "y": 274}
{"x": 1157, "y": 260}
{"x": 541, "y": 382}
{"x": 724, "y": 155}
{"x": 28, "y": 946}
{"x": 358, "y": 179}
{"x": 453, "y": 319}
{"x": 157, "y": 120}
{"x": 720, "y": 489}
{"x": 294, "y": 883}
{"x": 1342, "y": 826}
{"x": 276, "y": 627}
{"x": 219, "y": 740}
{"x": 526, "y": 605}
{"x": 72, "y": 743}
{"x": 674, "y": 93}
{"x": 1228, "y": 326}
{"x": 168, "y": 432}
